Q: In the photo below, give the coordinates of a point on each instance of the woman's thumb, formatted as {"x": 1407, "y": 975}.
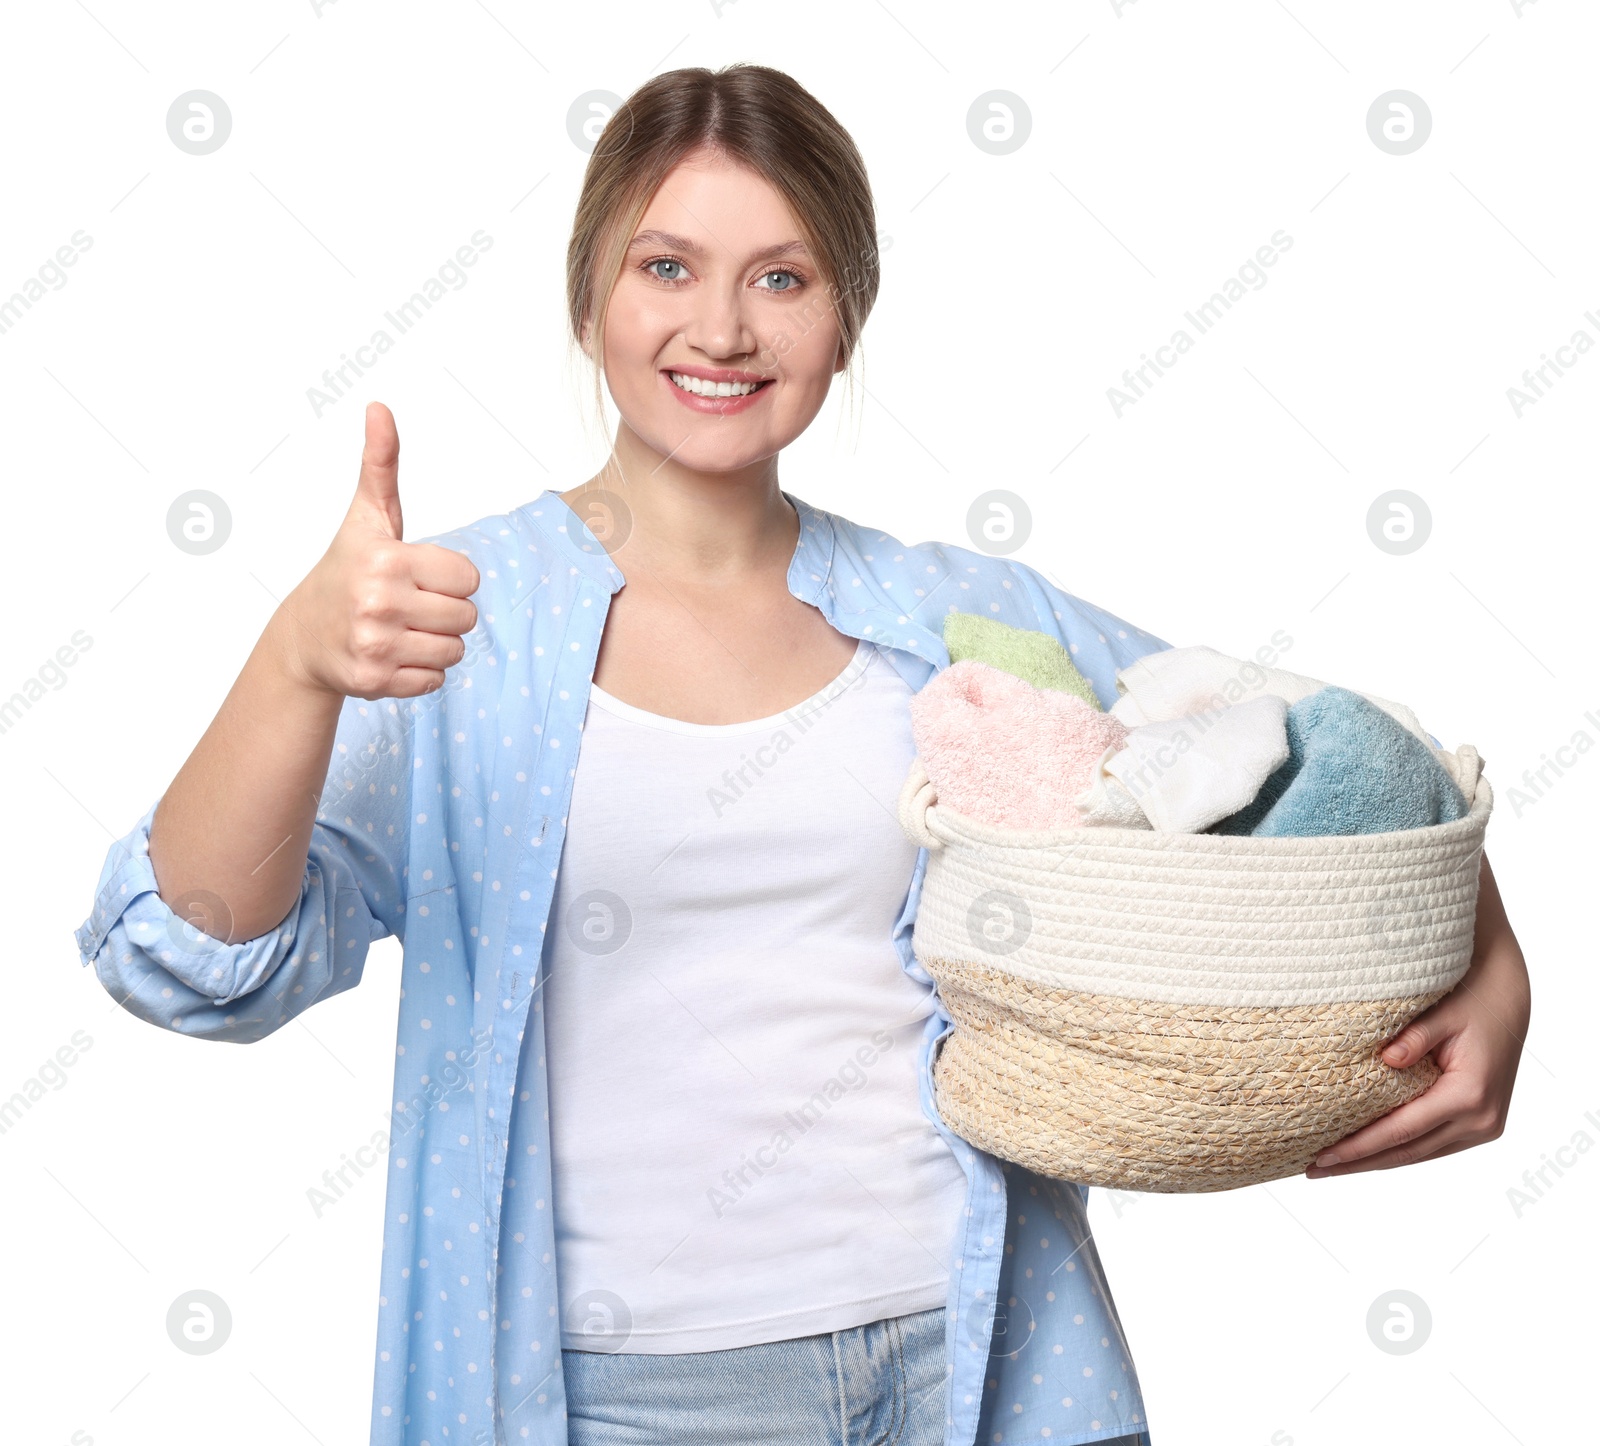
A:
{"x": 1415, "y": 1040}
{"x": 378, "y": 486}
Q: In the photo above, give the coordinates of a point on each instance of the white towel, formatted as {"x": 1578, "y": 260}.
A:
{"x": 1175, "y": 682}
{"x": 1106, "y": 801}
{"x": 1187, "y": 773}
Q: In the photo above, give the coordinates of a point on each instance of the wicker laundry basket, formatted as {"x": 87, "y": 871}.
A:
{"x": 1184, "y": 1012}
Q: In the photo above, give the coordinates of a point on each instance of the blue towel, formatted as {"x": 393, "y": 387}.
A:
{"x": 1352, "y": 769}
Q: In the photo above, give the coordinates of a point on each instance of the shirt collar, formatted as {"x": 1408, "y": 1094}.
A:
{"x": 570, "y": 535}
{"x": 812, "y": 565}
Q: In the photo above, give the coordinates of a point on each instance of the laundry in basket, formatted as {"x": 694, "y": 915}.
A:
{"x": 1169, "y": 1011}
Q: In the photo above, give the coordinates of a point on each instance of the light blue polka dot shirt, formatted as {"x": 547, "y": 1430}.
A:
{"x": 441, "y": 823}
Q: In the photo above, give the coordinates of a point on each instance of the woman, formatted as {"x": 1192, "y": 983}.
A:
{"x": 677, "y": 1090}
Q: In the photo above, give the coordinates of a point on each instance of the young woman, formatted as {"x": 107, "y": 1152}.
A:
{"x": 664, "y": 1164}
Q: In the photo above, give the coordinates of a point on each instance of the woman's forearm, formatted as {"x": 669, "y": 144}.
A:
{"x": 229, "y": 839}
{"x": 1498, "y": 976}
{"x": 377, "y": 617}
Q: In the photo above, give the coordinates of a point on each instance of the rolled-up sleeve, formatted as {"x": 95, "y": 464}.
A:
{"x": 165, "y": 970}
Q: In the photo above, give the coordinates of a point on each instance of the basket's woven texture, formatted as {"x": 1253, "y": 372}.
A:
{"x": 1154, "y": 1096}
{"x": 1183, "y": 1012}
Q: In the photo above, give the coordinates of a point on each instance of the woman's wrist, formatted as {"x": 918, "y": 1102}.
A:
{"x": 283, "y": 652}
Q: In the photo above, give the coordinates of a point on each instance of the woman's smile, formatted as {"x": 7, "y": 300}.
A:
{"x": 716, "y": 390}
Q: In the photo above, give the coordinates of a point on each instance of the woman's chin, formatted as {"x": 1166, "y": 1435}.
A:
{"x": 701, "y": 449}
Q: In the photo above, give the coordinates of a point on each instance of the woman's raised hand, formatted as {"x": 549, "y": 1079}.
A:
{"x": 379, "y": 617}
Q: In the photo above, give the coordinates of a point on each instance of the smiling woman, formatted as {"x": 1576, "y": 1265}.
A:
{"x": 640, "y": 990}
{"x": 641, "y": 232}
{"x": 652, "y": 997}
{"x": 723, "y": 264}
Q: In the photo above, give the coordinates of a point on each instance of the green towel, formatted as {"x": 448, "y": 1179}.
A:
{"x": 1036, "y": 658}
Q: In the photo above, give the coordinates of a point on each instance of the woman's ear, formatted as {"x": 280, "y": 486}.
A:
{"x": 584, "y": 334}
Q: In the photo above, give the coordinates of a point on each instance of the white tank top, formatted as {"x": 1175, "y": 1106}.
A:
{"x": 739, "y": 1153}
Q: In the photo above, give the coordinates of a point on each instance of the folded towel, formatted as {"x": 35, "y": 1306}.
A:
{"x": 1186, "y": 773}
{"x": 1036, "y": 657}
{"x": 1107, "y": 802}
{"x": 1176, "y": 681}
{"x": 1353, "y": 768}
{"x": 1006, "y": 753}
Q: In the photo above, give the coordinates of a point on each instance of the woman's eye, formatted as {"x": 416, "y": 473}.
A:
{"x": 673, "y": 272}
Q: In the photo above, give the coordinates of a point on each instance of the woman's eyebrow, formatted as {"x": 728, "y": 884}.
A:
{"x": 682, "y": 243}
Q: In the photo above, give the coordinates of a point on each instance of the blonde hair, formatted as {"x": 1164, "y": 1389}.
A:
{"x": 749, "y": 114}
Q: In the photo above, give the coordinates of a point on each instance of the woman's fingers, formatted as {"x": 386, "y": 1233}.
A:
{"x": 432, "y": 612}
{"x": 442, "y": 570}
{"x": 1444, "y": 1139}
{"x": 1445, "y": 1100}
{"x": 414, "y": 682}
{"x": 1425, "y": 1032}
{"x": 436, "y": 651}
{"x": 377, "y": 606}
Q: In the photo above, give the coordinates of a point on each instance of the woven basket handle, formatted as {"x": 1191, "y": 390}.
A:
{"x": 1469, "y": 764}
{"x": 916, "y": 797}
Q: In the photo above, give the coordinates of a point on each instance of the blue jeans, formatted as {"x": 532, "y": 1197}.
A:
{"x": 880, "y": 1384}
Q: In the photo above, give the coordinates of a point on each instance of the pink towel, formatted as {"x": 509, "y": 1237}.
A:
{"x": 1006, "y": 753}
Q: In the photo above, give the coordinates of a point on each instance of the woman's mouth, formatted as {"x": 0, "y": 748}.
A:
{"x": 720, "y": 395}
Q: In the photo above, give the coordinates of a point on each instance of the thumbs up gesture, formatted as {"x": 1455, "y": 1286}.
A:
{"x": 379, "y": 617}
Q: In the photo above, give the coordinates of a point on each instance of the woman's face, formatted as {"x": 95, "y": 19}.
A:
{"x": 719, "y": 296}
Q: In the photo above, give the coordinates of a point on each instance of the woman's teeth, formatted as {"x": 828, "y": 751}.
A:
{"x": 702, "y": 388}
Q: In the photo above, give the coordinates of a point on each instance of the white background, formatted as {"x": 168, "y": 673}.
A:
{"x": 370, "y": 142}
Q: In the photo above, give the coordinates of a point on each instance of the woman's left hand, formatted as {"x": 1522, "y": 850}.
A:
{"x": 1475, "y": 1035}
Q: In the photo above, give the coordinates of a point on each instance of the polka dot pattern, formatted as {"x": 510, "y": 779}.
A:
{"x": 440, "y": 824}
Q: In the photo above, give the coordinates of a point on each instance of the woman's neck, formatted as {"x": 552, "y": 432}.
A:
{"x": 707, "y": 526}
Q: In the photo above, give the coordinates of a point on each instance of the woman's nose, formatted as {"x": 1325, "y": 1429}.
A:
{"x": 720, "y": 326}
